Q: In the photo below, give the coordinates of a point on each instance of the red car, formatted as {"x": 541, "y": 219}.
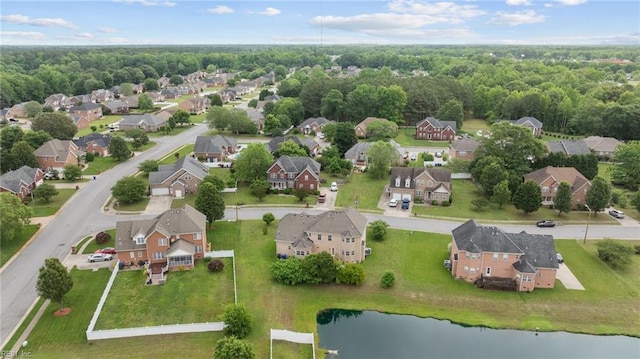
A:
{"x": 108, "y": 250}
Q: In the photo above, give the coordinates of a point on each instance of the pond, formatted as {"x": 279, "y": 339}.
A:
{"x": 369, "y": 334}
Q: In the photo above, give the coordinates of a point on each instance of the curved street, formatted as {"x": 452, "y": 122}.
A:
{"x": 83, "y": 215}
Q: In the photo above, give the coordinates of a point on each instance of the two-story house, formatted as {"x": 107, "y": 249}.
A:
{"x": 172, "y": 241}
{"x": 359, "y": 157}
{"x": 178, "y": 179}
{"x": 488, "y": 256}
{"x": 89, "y": 110}
{"x": 314, "y": 124}
{"x": 363, "y": 132}
{"x": 427, "y": 184}
{"x": 433, "y": 129}
{"x": 22, "y": 181}
{"x": 531, "y": 123}
{"x": 214, "y": 148}
{"x": 463, "y": 148}
{"x": 96, "y": 143}
{"x": 341, "y": 233}
{"x": 196, "y": 105}
{"x": 294, "y": 172}
{"x": 55, "y": 154}
{"x": 549, "y": 178}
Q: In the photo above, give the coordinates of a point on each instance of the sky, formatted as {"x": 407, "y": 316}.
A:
{"x": 319, "y": 22}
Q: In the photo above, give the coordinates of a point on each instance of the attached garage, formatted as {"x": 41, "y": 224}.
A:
{"x": 160, "y": 191}
{"x": 397, "y": 196}
{"x": 406, "y": 195}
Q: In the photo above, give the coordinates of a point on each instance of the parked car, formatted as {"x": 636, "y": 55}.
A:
{"x": 560, "y": 259}
{"x": 615, "y": 213}
{"x": 414, "y": 156}
{"x": 49, "y": 175}
{"x": 546, "y": 223}
{"x": 108, "y": 250}
{"x": 393, "y": 203}
{"x": 334, "y": 186}
{"x": 405, "y": 203}
{"x": 322, "y": 198}
{"x": 321, "y": 136}
{"x": 99, "y": 257}
{"x": 367, "y": 251}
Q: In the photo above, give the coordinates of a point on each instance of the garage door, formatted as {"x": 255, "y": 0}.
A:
{"x": 406, "y": 195}
{"x": 397, "y": 196}
{"x": 159, "y": 191}
{"x": 178, "y": 193}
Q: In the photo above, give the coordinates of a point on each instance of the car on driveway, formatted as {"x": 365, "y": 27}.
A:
{"x": 617, "y": 214}
{"x": 546, "y": 223}
{"x": 334, "y": 186}
{"x": 393, "y": 203}
{"x": 322, "y": 198}
{"x": 405, "y": 203}
{"x": 108, "y": 250}
{"x": 99, "y": 257}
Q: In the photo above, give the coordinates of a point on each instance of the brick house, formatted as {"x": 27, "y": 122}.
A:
{"x": 549, "y": 178}
{"x": 274, "y": 145}
{"x": 314, "y": 124}
{"x": 89, "y": 110}
{"x": 433, "y": 129}
{"x": 22, "y": 181}
{"x": 532, "y": 123}
{"x": 178, "y": 179}
{"x": 116, "y": 107}
{"x": 214, "y": 148}
{"x": 57, "y": 101}
{"x": 17, "y": 111}
{"x": 487, "y": 255}
{"x": 96, "y": 143}
{"x": 196, "y": 105}
{"x": 428, "y": 184}
{"x": 361, "y": 128}
{"x": 341, "y": 233}
{"x": 463, "y": 148}
{"x": 603, "y": 147}
{"x": 79, "y": 120}
{"x": 55, "y": 154}
{"x": 294, "y": 172}
{"x": 147, "y": 122}
{"x": 569, "y": 147}
{"x": 357, "y": 154}
{"x": 172, "y": 241}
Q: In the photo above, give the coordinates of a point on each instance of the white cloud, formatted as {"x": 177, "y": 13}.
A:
{"x": 83, "y": 36}
{"x": 27, "y": 35}
{"x": 42, "y": 21}
{"x": 571, "y": 2}
{"x": 270, "y": 11}
{"x": 518, "y": 2}
{"x": 148, "y": 2}
{"x": 443, "y": 8}
{"x": 619, "y": 39}
{"x": 517, "y": 18}
{"x": 220, "y": 9}
{"x": 107, "y": 29}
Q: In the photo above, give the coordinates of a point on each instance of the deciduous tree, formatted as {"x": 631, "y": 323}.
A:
{"x": 21, "y": 154}
{"x": 181, "y": 117}
{"x": 57, "y": 124}
{"x": 452, "y": 110}
{"x": 233, "y": 348}
{"x": 381, "y": 156}
{"x": 54, "y": 281}
{"x": 15, "y": 215}
{"x": 259, "y": 187}
{"x": 32, "y": 108}
{"x": 129, "y": 189}
{"x": 351, "y": 273}
{"x": 118, "y": 149}
{"x": 148, "y": 166}
{"x": 237, "y": 321}
{"x": 528, "y": 197}
{"x": 598, "y": 195}
{"x": 45, "y": 192}
{"x": 291, "y": 148}
{"x": 209, "y": 201}
{"x": 268, "y": 218}
{"x": 72, "y": 173}
{"x": 562, "y": 200}
{"x": 379, "y": 230}
{"x": 253, "y": 163}
{"x": 345, "y": 137}
{"x": 501, "y": 193}
{"x": 615, "y": 253}
{"x": 320, "y": 268}
{"x": 145, "y": 103}
{"x": 626, "y": 170}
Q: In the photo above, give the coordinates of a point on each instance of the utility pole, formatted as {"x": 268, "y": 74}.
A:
{"x": 587, "y": 229}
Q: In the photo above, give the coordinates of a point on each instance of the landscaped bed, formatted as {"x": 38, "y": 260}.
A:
{"x": 94, "y": 246}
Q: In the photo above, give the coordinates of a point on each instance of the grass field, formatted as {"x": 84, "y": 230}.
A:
{"x": 472, "y": 126}
{"x": 93, "y": 246}
{"x": 100, "y": 165}
{"x": 183, "y": 151}
{"x": 105, "y": 121}
{"x": 42, "y": 209}
{"x": 8, "y": 248}
{"x": 177, "y": 130}
{"x": 362, "y": 188}
{"x": 405, "y": 138}
{"x": 423, "y": 287}
{"x": 244, "y": 197}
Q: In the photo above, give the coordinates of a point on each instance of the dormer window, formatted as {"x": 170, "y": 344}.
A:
{"x": 140, "y": 239}
{"x": 407, "y": 182}
{"x": 398, "y": 182}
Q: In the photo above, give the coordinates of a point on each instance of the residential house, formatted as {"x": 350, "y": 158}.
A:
{"x": 22, "y": 181}
{"x": 80, "y": 99}
{"x": 463, "y": 148}
{"x": 294, "y": 172}
{"x": 57, "y": 101}
{"x": 116, "y": 107}
{"x": 214, "y": 148}
{"x": 4, "y": 114}
{"x": 435, "y": 130}
{"x": 164, "y": 82}
{"x": 256, "y": 117}
{"x": 81, "y": 121}
{"x": 89, "y": 110}
{"x": 603, "y": 147}
{"x": 361, "y": 128}
{"x": 341, "y": 233}
{"x": 196, "y": 105}
{"x": 166, "y": 114}
{"x": 131, "y": 101}
{"x": 549, "y": 178}
{"x": 101, "y": 95}
{"x": 55, "y": 154}
{"x": 147, "y": 122}
{"x": 532, "y": 123}
{"x": 314, "y": 124}
{"x": 155, "y": 96}
{"x": 310, "y": 143}
{"x": 96, "y": 143}
{"x": 17, "y": 111}
{"x": 172, "y": 241}
{"x": 490, "y": 257}
{"x": 420, "y": 184}
{"x": 569, "y": 147}
{"x": 170, "y": 93}
{"x": 357, "y": 154}
{"x": 178, "y": 179}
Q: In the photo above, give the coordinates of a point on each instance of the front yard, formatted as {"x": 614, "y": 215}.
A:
{"x": 362, "y": 188}
{"x": 42, "y": 209}
{"x": 10, "y": 247}
{"x": 94, "y": 246}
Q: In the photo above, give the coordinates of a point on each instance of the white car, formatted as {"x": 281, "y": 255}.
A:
{"x": 334, "y": 186}
{"x": 321, "y": 136}
{"x": 617, "y": 214}
{"x": 414, "y": 156}
{"x": 393, "y": 203}
{"x": 99, "y": 257}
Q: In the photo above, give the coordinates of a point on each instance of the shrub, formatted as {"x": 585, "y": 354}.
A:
{"x": 352, "y": 274}
{"x": 89, "y": 157}
{"x": 479, "y": 203}
{"x": 288, "y": 271}
{"x": 215, "y": 265}
{"x": 237, "y": 321}
{"x": 103, "y": 237}
{"x": 615, "y": 253}
{"x": 427, "y": 156}
{"x": 445, "y": 204}
{"x": 287, "y": 191}
{"x": 140, "y": 263}
{"x": 388, "y": 279}
{"x": 636, "y": 248}
{"x": 418, "y": 200}
{"x": 434, "y": 203}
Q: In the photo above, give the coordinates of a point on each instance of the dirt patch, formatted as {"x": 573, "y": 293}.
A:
{"x": 62, "y": 312}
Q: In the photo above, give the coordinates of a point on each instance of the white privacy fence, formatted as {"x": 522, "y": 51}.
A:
{"x": 226, "y": 254}
{"x": 294, "y": 337}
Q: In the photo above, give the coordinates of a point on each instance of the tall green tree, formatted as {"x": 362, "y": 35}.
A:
{"x": 22, "y": 155}
{"x": 562, "y": 201}
{"x": 209, "y": 201}
{"x": 259, "y": 188}
{"x": 452, "y": 110}
{"x": 238, "y": 322}
{"x": 233, "y": 348}
{"x": 253, "y": 163}
{"x": 363, "y": 102}
{"x": 37, "y": 138}
{"x": 382, "y": 155}
{"x": 528, "y": 197}
{"x": 57, "y": 124}
{"x": 218, "y": 118}
{"x": 345, "y": 137}
{"x": 491, "y": 176}
{"x": 333, "y": 105}
{"x": 615, "y": 253}
{"x": 320, "y": 267}
{"x": 145, "y": 103}
{"x": 32, "y": 108}
{"x": 129, "y": 189}
{"x": 54, "y": 281}
{"x": 15, "y": 215}
{"x": 626, "y": 168}
{"x": 291, "y": 148}
{"x": 118, "y": 149}
{"x": 393, "y": 100}
{"x": 501, "y": 193}
{"x": 149, "y": 166}
{"x": 10, "y": 135}
{"x": 379, "y": 230}
{"x": 45, "y": 192}
{"x": 598, "y": 195}
{"x": 72, "y": 173}
{"x": 181, "y": 117}
{"x": 218, "y": 183}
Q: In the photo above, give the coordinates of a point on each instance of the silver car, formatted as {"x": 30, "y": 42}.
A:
{"x": 617, "y": 214}
{"x": 99, "y": 257}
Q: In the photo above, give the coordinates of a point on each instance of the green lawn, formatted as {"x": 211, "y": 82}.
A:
{"x": 183, "y": 151}
{"x": 106, "y": 120}
{"x": 41, "y": 209}
{"x": 464, "y": 191}
{"x": 100, "y": 165}
{"x": 141, "y": 149}
{"x": 9, "y": 247}
{"x": 362, "y": 188}
{"x": 24, "y": 325}
{"x": 472, "y": 126}
{"x": 179, "y": 129}
{"x": 244, "y": 197}
{"x": 423, "y": 288}
{"x": 198, "y": 118}
{"x": 405, "y": 138}
{"x": 138, "y": 206}
{"x": 93, "y": 246}
{"x": 194, "y": 296}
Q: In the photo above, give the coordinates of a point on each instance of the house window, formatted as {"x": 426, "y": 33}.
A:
{"x": 140, "y": 239}
{"x": 347, "y": 253}
{"x": 398, "y": 182}
{"x": 158, "y": 255}
{"x": 466, "y": 269}
{"x": 139, "y": 254}
{"x": 274, "y": 175}
{"x": 505, "y": 257}
{"x": 311, "y": 187}
{"x": 467, "y": 254}
{"x": 527, "y": 278}
{"x": 353, "y": 253}
{"x": 319, "y": 237}
{"x": 474, "y": 256}
{"x": 198, "y": 249}
{"x": 430, "y": 183}
{"x": 545, "y": 189}
{"x": 306, "y": 177}
{"x": 462, "y": 153}
{"x": 407, "y": 182}
{"x": 495, "y": 257}
{"x": 162, "y": 242}
{"x": 473, "y": 270}
{"x": 329, "y": 237}
{"x": 132, "y": 255}
{"x": 292, "y": 175}
{"x": 363, "y": 242}
{"x": 187, "y": 177}
{"x": 419, "y": 193}
{"x": 198, "y": 235}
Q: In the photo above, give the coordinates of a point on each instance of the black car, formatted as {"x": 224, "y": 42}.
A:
{"x": 546, "y": 223}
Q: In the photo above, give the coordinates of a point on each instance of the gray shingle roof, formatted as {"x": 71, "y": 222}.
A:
{"x": 559, "y": 174}
{"x": 213, "y": 144}
{"x": 362, "y": 147}
{"x": 296, "y": 164}
{"x": 12, "y": 179}
{"x": 465, "y": 144}
{"x": 100, "y": 139}
{"x": 189, "y": 164}
{"x": 293, "y": 227}
{"x": 438, "y": 124}
{"x": 274, "y": 144}
{"x": 318, "y": 120}
{"x": 87, "y": 106}
{"x": 137, "y": 120}
{"x": 569, "y": 147}
{"x": 438, "y": 174}
{"x": 602, "y": 144}
{"x": 54, "y": 148}
{"x": 534, "y": 121}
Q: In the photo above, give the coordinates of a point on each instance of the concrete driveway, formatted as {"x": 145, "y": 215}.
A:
{"x": 158, "y": 204}
{"x": 567, "y": 278}
{"x": 80, "y": 261}
{"x": 329, "y": 201}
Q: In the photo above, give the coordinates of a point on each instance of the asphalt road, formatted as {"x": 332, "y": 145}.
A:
{"x": 82, "y": 215}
